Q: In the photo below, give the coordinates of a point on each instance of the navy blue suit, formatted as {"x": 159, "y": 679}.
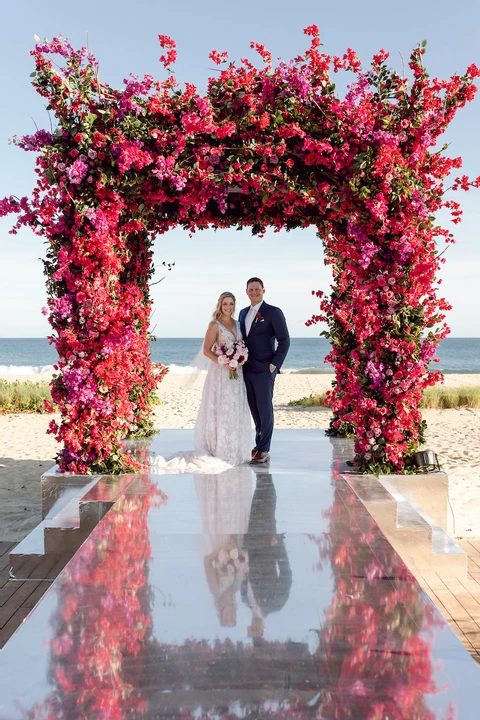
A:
{"x": 267, "y": 330}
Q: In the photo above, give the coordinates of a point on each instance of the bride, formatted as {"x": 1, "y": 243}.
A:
{"x": 223, "y": 427}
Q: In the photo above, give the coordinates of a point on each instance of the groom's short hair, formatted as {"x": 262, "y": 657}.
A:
{"x": 255, "y": 279}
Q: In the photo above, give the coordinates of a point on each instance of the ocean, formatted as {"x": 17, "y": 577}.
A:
{"x": 35, "y": 355}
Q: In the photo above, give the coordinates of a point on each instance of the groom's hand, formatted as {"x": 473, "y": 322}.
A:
{"x": 272, "y": 368}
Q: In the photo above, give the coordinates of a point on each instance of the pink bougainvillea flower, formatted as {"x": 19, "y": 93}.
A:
{"x": 77, "y": 171}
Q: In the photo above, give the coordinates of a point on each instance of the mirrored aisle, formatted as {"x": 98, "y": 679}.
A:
{"x": 248, "y": 594}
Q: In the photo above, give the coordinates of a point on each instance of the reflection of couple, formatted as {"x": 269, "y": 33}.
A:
{"x": 244, "y": 553}
{"x": 223, "y": 423}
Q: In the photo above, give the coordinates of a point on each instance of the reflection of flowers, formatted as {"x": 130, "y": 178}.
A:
{"x": 389, "y": 666}
{"x": 225, "y": 569}
{"x": 103, "y": 618}
{"x": 230, "y": 566}
{"x": 231, "y": 561}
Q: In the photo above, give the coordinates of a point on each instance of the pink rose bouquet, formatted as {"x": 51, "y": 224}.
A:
{"x": 232, "y": 355}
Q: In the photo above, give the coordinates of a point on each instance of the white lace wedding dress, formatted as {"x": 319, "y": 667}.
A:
{"x": 223, "y": 427}
{"x": 223, "y": 433}
{"x": 224, "y": 502}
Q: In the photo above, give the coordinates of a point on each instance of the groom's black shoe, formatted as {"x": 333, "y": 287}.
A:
{"x": 254, "y": 452}
{"x": 260, "y": 458}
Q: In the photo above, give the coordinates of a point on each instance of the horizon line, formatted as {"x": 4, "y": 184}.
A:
{"x": 199, "y": 337}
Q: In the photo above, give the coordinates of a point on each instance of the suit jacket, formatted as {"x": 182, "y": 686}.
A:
{"x": 271, "y": 326}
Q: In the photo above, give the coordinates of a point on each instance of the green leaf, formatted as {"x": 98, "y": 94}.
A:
{"x": 36, "y": 38}
{"x": 90, "y": 119}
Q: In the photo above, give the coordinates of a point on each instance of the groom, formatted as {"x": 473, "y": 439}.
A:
{"x": 261, "y": 326}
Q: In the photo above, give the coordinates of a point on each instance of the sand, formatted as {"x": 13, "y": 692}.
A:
{"x": 26, "y": 451}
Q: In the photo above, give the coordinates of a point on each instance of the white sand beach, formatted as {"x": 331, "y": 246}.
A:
{"x": 26, "y": 451}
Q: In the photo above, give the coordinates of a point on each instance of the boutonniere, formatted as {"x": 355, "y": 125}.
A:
{"x": 259, "y": 318}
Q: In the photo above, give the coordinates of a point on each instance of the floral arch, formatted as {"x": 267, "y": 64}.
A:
{"x": 263, "y": 147}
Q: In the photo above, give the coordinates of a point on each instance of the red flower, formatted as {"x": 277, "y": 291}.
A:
{"x": 98, "y": 140}
{"x": 473, "y": 71}
{"x": 381, "y": 56}
{"x": 171, "y": 56}
{"x": 312, "y": 30}
{"x": 225, "y": 130}
{"x": 262, "y": 51}
{"x": 217, "y": 57}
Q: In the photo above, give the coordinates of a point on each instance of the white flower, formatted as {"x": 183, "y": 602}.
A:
{"x": 223, "y": 556}
{"x": 233, "y": 364}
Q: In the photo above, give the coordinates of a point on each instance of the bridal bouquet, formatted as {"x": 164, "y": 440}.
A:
{"x": 232, "y": 355}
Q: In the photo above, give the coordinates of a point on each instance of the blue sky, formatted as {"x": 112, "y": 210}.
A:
{"x": 123, "y": 36}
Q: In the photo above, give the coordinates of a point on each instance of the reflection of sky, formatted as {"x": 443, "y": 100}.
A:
{"x": 452, "y": 668}
{"x": 29, "y": 657}
{"x": 184, "y": 606}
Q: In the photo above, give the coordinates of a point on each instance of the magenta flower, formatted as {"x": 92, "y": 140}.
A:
{"x": 77, "y": 171}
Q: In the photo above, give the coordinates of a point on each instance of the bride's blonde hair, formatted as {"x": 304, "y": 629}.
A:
{"x": 218, "y": 310}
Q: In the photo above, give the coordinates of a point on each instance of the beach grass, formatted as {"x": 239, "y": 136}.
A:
{"x": 24, "y": 396}
{"x": 434, "y": 399}
{"x": 29, "y": 397}
{"x": 440, "y": 398}
{"x": 317, "y": 400}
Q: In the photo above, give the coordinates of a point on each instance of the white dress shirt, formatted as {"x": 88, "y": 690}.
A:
{"x": 251, "y": 316}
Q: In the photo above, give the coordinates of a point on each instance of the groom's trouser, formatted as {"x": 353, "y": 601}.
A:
{"x": 260, "y": 400}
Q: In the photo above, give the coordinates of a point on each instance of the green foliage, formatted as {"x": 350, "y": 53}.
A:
{"x": 317, "y": 400}
{"x": 144, "y": 429}
{"x": 345, "y": 429}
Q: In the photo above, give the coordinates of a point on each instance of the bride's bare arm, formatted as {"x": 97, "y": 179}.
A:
{"x": 209, "y": 342}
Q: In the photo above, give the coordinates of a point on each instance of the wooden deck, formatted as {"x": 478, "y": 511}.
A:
{"x": 18, "y": 598}
{"x": 458, "y": 600}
